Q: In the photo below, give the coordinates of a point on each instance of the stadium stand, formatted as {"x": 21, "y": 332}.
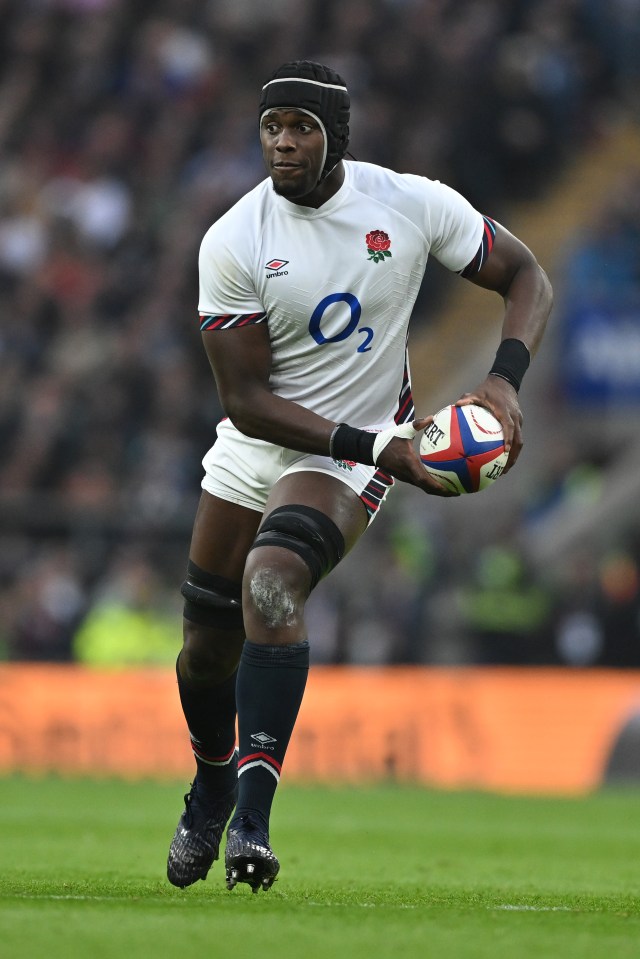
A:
{"x": 125, "y": 130}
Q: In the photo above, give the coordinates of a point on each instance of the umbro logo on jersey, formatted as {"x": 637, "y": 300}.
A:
{"x": 275, "y": 266}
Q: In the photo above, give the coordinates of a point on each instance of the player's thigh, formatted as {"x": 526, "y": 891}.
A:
{"x": 325, "y": 493}
{"x": 222, "y": 536}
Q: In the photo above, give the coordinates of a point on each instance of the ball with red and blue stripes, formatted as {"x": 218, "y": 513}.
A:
{"x": 463, "y": 448}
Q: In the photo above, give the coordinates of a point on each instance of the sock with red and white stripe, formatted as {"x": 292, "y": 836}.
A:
{"x": 211, "y": 717}
{"x": 270, "y": 687}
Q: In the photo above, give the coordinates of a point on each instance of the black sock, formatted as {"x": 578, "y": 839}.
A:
{"x": 271, "y": 682}
{"x": 211, "y": 717}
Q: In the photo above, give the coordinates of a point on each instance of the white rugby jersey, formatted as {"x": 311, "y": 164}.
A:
{"x": 336, "y": 285}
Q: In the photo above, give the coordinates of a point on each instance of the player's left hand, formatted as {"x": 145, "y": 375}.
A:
{"x": 500, "y": 398}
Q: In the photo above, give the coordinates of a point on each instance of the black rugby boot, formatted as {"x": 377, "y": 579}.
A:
{"x": 249, "y": 857}
{"x": 196, "y": 843}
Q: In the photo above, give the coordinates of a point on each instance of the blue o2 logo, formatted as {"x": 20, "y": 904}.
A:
{"x": 355, "y": 311}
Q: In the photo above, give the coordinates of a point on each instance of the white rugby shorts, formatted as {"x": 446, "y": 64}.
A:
{"x": 244, "y": 470}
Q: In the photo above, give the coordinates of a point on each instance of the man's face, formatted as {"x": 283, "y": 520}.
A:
{"x": 293, "y": 148}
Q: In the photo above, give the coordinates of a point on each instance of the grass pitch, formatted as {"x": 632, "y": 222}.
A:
{"x": 369, "y": 872}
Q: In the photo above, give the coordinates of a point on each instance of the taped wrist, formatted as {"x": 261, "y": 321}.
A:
{"x": 349, "y": 443}
{"x": 404, "y": 432}
{"x": 511, "y": 362}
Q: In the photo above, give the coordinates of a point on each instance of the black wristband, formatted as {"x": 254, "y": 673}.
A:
{"x": 511, "y": 362}
{"x": 349, "y": 443}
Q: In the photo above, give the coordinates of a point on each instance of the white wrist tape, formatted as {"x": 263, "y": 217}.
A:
{"x": 405, "y": 431}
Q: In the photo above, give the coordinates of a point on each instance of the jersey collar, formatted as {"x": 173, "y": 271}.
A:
{"x": 311, "y": 213}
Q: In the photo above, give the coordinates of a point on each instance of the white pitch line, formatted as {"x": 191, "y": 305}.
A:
{"x": 513, "y": 908}
{"x": 44, "y": 897}
{"x": 26, "y": 895}
{"x": 503, "y": 907}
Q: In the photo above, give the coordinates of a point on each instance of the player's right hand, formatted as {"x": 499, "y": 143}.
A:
{"x": 399, "y": 458}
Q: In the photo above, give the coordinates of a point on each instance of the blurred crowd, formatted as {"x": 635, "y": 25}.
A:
{"x": 125, "y": 130}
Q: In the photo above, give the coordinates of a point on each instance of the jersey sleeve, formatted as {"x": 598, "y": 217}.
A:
{"x": 486, "y": 245}
{"x": 456, "y": 228}
{"x": 227, "y": 293}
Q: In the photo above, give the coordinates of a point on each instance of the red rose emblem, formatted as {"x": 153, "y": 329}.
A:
{"x": 378, "y": 244}
{"x": 378, "y": 240}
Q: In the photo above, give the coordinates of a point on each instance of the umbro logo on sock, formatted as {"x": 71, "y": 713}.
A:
{"x": 263, "y": 738}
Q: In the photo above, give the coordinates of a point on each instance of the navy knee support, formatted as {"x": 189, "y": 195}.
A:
{"x": 307, "y": 532}
{"x": 211, "y": 600}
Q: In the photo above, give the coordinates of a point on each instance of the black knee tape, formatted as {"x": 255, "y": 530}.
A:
{"x": 211, "y": 600}
{"x": 307, "y": 532}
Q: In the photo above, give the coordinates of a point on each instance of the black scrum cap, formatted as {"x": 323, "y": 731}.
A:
{"x": 319, "y": 91}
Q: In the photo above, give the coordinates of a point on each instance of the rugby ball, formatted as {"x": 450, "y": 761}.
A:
{"x": 464, "y": 448}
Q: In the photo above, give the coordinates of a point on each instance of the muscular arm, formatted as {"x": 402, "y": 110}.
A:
{"x": 241, "y": 363}
{"x": 512, "y": 271}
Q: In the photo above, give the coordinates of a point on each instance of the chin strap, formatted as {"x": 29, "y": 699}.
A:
{"x": 405, "y": 432}
{"x": 323, "y": 176}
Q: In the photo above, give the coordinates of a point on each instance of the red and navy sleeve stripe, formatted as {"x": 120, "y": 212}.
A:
{"x": 488, "y": 236}
{"x": 228, "y": 321}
